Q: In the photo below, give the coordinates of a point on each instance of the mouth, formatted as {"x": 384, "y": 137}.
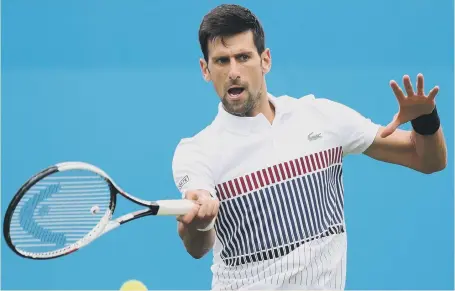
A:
{"x": 235, "y": 92}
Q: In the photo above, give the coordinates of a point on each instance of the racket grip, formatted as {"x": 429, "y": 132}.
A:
{"x": 175, "y": 207}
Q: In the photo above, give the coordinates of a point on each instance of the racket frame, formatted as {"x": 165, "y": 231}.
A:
{"x": 106, "y": 224}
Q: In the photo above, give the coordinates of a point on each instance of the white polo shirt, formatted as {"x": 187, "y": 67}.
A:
{"x": 281, "y": 219}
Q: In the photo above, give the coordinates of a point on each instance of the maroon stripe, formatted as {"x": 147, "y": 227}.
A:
{"x": 226, "y": 190}
{"x": 255, "y": 182}
{"x": 225, "y": 193}
{"x": 242, "y": 181}
{"x": 317, "y": 164}
{"x": 248, "y": 181}
{"x": 321, "y": 158}
{"x": 308, "y": 165}
{"x": 337, "y": 155}
{"x": 288, "y": 171}
{"x": 294, "y": 172}
{"x": 279, "y": 172}
{"x": 278, "y": 179}
{"x": 312, "y": 163}
{"x": 271, "y": 174}
{"x": 264, "y": 173}
{"x": 220, "y": 192}
{"x": 231, "y": 187}
{"x": 283, "y": 174}
{"x": 297, "y": 164}
{"x": 258, "y": 174}
{"x": 237, "y": 185}
{"x": 304, "y": 170}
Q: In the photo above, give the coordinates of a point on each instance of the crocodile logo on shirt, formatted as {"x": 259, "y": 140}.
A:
{"x": 314, "y": 136}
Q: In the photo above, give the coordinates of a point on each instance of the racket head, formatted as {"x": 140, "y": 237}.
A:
{"x": 59, "y": 210}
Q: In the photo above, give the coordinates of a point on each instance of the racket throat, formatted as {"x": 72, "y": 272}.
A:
{"x": 111, "y": 225}
{"x": 134, "y": 215}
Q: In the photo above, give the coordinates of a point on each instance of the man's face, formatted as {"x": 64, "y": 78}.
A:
{"x": 237, "y": 72}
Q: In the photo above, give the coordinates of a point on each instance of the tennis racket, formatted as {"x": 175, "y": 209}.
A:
{"x": 67, "y": 206}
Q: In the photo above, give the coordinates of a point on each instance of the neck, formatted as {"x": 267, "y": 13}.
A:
{"x": 266, "y": 108}
{"x": 268, "y": 111}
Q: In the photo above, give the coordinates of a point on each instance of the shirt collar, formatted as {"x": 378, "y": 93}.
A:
{"x": 257, "y": 123}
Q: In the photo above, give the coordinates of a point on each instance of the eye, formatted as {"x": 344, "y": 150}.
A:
{"x": 222, "y": 60}
{"x": 243, "y": 57}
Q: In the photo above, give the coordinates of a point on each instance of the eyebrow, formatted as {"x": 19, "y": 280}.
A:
{"x": 248, "y": 53}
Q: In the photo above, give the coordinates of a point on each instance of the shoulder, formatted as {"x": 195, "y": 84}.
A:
{"x": 316, "y": 105}
{"x": 330, "y": 112}
{"x": 307, "y": 100}
{"x": 198, "y": 146}
{"x": 322, "y": 104}
{"x": 290, "y": 101}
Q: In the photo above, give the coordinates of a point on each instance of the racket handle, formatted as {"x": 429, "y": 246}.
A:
{"x": 175, "y": 207}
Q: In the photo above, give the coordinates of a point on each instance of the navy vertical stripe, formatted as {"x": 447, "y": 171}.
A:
{"x": 270, "y": 212}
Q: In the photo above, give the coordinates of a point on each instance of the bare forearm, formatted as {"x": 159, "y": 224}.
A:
{"x": 197, "y": 243}
{"x": 431, "y": 151}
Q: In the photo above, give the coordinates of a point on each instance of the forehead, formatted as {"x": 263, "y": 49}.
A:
{"x": 228, "y": 45}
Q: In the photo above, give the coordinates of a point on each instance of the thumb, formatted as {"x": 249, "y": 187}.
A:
{"x": 192, "y": 195}
{"x": 391, "y": 127}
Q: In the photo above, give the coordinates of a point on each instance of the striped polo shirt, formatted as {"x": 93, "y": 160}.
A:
{"x": 281, "y": 218}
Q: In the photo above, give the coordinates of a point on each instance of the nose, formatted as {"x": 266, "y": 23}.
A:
{"x": 234, "y": 72}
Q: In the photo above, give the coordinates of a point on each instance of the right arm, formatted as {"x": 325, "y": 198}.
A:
{"x": 198, "y": 243}
{"x": 194, "y": 179}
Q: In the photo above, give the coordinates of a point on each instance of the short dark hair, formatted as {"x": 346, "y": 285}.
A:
{"x": 228, "y": 20}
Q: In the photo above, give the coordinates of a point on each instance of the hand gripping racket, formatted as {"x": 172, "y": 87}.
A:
{"x": 68, "y": 205}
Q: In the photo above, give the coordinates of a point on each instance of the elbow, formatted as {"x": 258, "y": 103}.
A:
{"x": 434, "y": 168}
{"x": 197, "y": 244}
{"x": 197, "y": 255}
{"x": 442, "y": 166}
{"x": 197, "y": 250}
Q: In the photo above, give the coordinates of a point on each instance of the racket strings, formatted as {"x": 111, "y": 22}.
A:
{"x": 59, "y": 211}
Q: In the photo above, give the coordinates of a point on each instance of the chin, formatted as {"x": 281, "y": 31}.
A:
{"x": 240, "y": 110}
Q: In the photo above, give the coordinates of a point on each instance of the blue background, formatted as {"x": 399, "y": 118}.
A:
{"x": 117, "y": 84}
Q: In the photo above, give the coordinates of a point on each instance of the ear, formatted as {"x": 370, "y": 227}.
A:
{"x": 266, "y": 61}
{"x": 205, "y": 70}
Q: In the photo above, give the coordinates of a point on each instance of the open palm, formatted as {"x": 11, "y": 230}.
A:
{"x": 411, "y": 105}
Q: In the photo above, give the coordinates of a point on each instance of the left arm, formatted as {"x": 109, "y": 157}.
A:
{"x": 423, "y": 153}
{"x": 422, "y": 149}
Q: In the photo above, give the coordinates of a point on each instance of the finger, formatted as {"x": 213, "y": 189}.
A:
{"x": 433, "y": 93}
{"x": 212, "y": 209}
{"x": 191, "y": 195}
{"x": 209, "y": 210}
{"x": 216, "y": 206}
{"x": 397, "y": 91}
{"x": 388, "y": 130}
{"x": 203, "y": 211}
{"x": 420, "y": 89}
{"x": 408, "y": 85}
{"x": 188, "y": 218}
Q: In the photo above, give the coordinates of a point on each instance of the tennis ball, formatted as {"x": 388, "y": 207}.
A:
{"x": 133, "y": 285}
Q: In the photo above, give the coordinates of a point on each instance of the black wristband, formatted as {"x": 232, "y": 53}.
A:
{"x": 427, "y": 124}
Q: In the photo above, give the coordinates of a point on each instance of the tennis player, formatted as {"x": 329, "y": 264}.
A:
{"x": 267, "y": 172}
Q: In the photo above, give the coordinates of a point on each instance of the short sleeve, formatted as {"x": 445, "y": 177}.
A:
{"x": 191, "y": 168}
{"x": 355, "y": 131}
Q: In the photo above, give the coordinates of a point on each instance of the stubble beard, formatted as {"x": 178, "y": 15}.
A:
{"x": 243, "y": 108}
